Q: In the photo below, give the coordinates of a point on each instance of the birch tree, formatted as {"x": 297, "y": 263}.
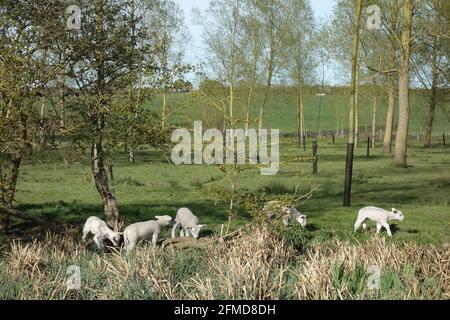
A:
{"x": 300, "y": 57}
{"x": 431, "y": 59}
{"x": 351, "y": 138}
{"x": 105, "y": 56}
{"x": 28, "y": 31}
{"x": 404, "y": 102}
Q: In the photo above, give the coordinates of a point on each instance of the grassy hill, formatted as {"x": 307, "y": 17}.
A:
{"x": 281, "y": 112}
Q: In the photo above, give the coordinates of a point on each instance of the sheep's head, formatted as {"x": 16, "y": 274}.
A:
{"x": 195, "y": 231}
{"x": 301, "y": 219}
{"x": 397, "y": 215}
{"x": 116, "y": 239}
{"x": 166, "y": 220}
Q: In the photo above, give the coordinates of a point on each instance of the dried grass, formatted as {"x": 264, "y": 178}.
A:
{"x": 254, "y": 265}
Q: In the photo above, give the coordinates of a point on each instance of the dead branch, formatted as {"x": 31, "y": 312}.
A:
{"x": 187, "y": 242}
{"x": 202, "y": 243}
{"x": 390, "y": 71}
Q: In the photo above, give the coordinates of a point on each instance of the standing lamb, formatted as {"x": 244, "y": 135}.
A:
{"x": 378, "y": 215}
{"x": 101, "y": 231}
{"x": 144, "y": 230}
{"x": 188, "y": 222}
{"x": 289, "y": 213}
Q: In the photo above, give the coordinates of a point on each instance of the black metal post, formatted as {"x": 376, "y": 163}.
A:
{"x": 315, "y": 157}
{"x": 348, "y": 174}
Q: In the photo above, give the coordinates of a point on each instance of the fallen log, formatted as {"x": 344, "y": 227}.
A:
{"x": 202, "y": 243}
{"x": 187, "y": 242}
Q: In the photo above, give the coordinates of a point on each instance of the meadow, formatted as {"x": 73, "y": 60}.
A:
{"x": 327, "y": 260}
{"x": 281, "y": 112}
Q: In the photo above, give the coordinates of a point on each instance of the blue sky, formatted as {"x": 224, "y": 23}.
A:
{"x": 195, "y": 51}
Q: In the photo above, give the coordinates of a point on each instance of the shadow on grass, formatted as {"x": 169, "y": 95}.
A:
{"x": 61, "y": 216}
{"x": 311, "y": 227}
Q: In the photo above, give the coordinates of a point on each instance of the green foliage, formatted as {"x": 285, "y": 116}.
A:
{"x": 355, "y": 281}
{"x": 294, "y": 235}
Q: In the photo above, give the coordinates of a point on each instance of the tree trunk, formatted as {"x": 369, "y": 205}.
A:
{"x": 356, "y": 109}
{"x": 99, "y": 171}
{"x": 130, "y": 136}
{"x": 42, "y": 128}
{"x": 300, "y": 116}
{"x": 387, "y": 143}
{"x": 62, "y": 103}
{"x": 430, "y": 118}
{"x": 270, "y": 68}
{"x": 404, "y": 107}
{"x": 263, "y": 105}
{"x": 374, "y": 119}
{"x": 165, "y": 110}
{"x": 432, "y": 102}
{"x": 253, "y": 82}
{"x": 247, "y": 109}
{"x": 351, "y": 135}
{"x": 231, "y": 106}
{"x": 100, "y": 175}
{"x": 9, "y": 191}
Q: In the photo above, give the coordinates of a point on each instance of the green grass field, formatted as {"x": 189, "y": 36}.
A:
{"x": 154, "y": 187}
{"x": 281, "y": 113}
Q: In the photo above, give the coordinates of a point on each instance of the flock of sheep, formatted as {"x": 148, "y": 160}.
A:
{"x": 190, "y": 226}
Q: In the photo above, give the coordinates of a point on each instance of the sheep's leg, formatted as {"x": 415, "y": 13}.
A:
{"x": 378, "y": 227}
{"x": 99, "y": 243}
{"x": 85, "y": 233}
{"x": 155, "y": 238}
{"x": 286, "y": 220}
{"x": 174, "y": 228}
{"x": 388, "y": 229}
{"x": 182, "y": 234}
{"x": 358, "y": 223}
{"x": 129, "y": 247}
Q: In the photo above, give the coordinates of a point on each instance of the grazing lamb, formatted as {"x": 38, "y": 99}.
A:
{"x": 188, "y": 222}
{"x": 378, "y": 215}
{"x": 101, "y": 231}
{"x": 144, "y": 230}
{"x": 289, "y": 213}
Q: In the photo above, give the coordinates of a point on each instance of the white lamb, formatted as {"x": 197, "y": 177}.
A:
{"x": 289, "y": 213}
{"x": 101, "y": 231}
{"x": 188, "y": 223}
{"x": 378, "y": 215}
{"x": 144, "y": 230}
